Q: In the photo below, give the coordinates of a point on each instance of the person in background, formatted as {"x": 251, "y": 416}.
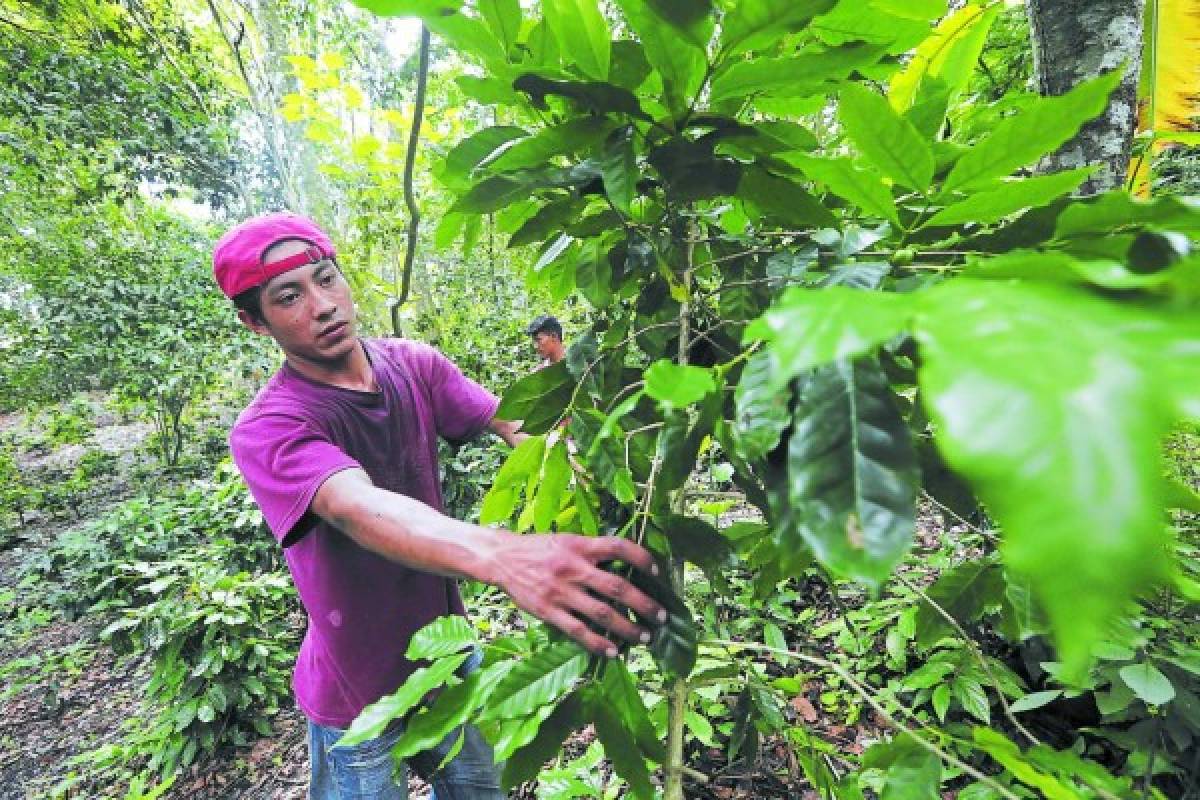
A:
{"x": 547, "y": 336}
{"x": 339, "y": 450}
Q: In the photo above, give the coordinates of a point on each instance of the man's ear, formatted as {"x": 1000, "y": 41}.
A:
{"x": 250, "y": 322}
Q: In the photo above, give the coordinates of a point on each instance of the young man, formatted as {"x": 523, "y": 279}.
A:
{"x": 339, "y": 450}
{"x": 547, "y": 336}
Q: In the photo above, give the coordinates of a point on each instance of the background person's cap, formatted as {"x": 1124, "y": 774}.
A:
{"x": 237, "y": 258}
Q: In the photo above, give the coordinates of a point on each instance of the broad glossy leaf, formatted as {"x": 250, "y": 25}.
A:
{"x": 541, "y": 678}
{"x": 992, "y": 205}
{"x": 622, "y": 695}
{"x": 1008, "y": 755}
{"x": 619, "y": 168}
{"x": 912, "y": 772}
{"x": 1117, "y": 211}
{"x": 620, "y": 747}
{"x": 596, "y": 96}
{"x": 410, "y": 8}
{"x": 972, "y": 697}
{"x": 1039, "y": 129}
{"x": 550, "y": 218}
{"x": 676, "y": 385}
{"x": 377, "y": 716}
{"x": 470, "y": 37}
{"x": 679, "y": 60}
{"x": 538, "y": 398}
{"x": 799, "y": 75}
{"x": 503, "y": 19}
{"x": 1148, "y": 683}
{"x": 1064, "y": 454}
{"x": 758, "y": 24}
{"x": 524, "y": 764}
{"x": 864, "y": 189}
{"x": 582, "y": 33}
{"x": 762, "y": 413}
{"x": 808, "y": 328}
{"x": 964, "y": 592}
{"x": 945, "y": 59}
{"x": 566, "y": 138}
{"x": 852, "y": 471}
{"x": 1035, "y": 700}
{"x": 913, "y": 9}
{"x": 443, "y": 636}
{"x": 476, "y": 148}
{"x": 695, "y": 540}
{"x": 674, "y": 644}
{"x": 783, "y": 200}
{"x": 453, "y": 707}
{"x": 886, "y": 139}
{"x": 556, "y": 475}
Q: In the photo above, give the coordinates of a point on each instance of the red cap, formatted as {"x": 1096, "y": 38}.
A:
{"x": 237, "y": 258}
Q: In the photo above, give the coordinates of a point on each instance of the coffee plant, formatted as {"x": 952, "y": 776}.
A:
{"x": 797, "y": 249}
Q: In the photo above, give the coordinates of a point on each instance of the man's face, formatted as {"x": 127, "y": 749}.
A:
{"x": 546, "y": 344}
{"x": 308, "y": 310}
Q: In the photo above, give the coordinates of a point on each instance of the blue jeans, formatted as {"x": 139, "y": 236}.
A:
{"x": 365, "y": 771}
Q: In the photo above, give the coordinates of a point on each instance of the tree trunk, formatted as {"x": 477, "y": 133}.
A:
{"x": 1074, "y": 40}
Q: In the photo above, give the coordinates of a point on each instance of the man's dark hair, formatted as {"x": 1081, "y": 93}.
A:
{"x": 544, "y": 324}
{"x": 250, "y": 301}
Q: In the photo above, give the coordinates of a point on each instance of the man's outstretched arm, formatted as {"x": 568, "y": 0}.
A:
{"x": 554, "y": 577}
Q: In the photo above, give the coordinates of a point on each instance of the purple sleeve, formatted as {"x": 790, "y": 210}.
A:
{"x": 284, "y": 461}
{"x": 461, "y": 407}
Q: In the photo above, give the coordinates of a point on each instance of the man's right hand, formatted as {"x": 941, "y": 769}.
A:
{"x": 558, "y": 579}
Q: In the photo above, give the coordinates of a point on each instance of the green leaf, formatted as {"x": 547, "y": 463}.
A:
{"x": 946, "y": 59}
{"x": 595, "y": 96}
{"x": 1039, "y": 129}
{"x": 972, "y": 697}
{"x": 678, "y": 386}
{"x": 539, "y": 399}
{"x": 694, "y": 540}
{"x": 758, "y": 24}
{"x": 377, "y": 716}
{"x": 494, "y": 193}
{"x": 470, "y": 37}
{"x": 761, "y": 411}
{"x": 1064, "y": 456}
{"x": 1010, "y": 197}
{"x": 965, "y": 592}
{"x": 807, "y": 328}
{"x": 622, "y": 696}
{"x": 1148, "y": 683}
{"x": 522, "y": 462}
{"x": 1011, "y": 758}
{"x": 941, "y": 701}
{"x": 503, "y": 19}
{"x": 538, "y": 680}
{"x": 582, "y": 34}
{"x": 911, "y": 772}
{"x": 1035, "y": 700}
{"x": 679, "y": 60}
{"x": 564, "y": 139}
{"x": 410, "y": 8}
{"x": 474, "y": 150}
{"x": 858, "y": 186}
{"x": 620, "y": 747}
{"x": 783, "y": 200}
{"x": 800, "y": 75}
{"x": 674, "y": 644}
{"x": 443, "y": 636}
{"x": 619, "y": 168}
{"x": 556, "y": 475}
{"x": 852, "y": 471}
{"x": 524, "y": 764}
{"x": 453, "y": 708}
{"x": 1117, "y": 211}
{"x": 913, "y": 9}
{"x": 886, "y": 139}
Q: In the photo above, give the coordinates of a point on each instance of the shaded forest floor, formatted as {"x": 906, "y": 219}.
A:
{"x": 67, "y": 698}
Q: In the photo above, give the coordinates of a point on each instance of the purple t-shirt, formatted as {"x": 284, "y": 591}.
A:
{"x": 362, "y": 608}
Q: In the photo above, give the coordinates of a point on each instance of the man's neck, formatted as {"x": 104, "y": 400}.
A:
{"x": 351, "y": 372}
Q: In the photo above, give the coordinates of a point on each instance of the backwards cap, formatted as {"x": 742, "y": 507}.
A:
{"x": 238, "y": 257}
